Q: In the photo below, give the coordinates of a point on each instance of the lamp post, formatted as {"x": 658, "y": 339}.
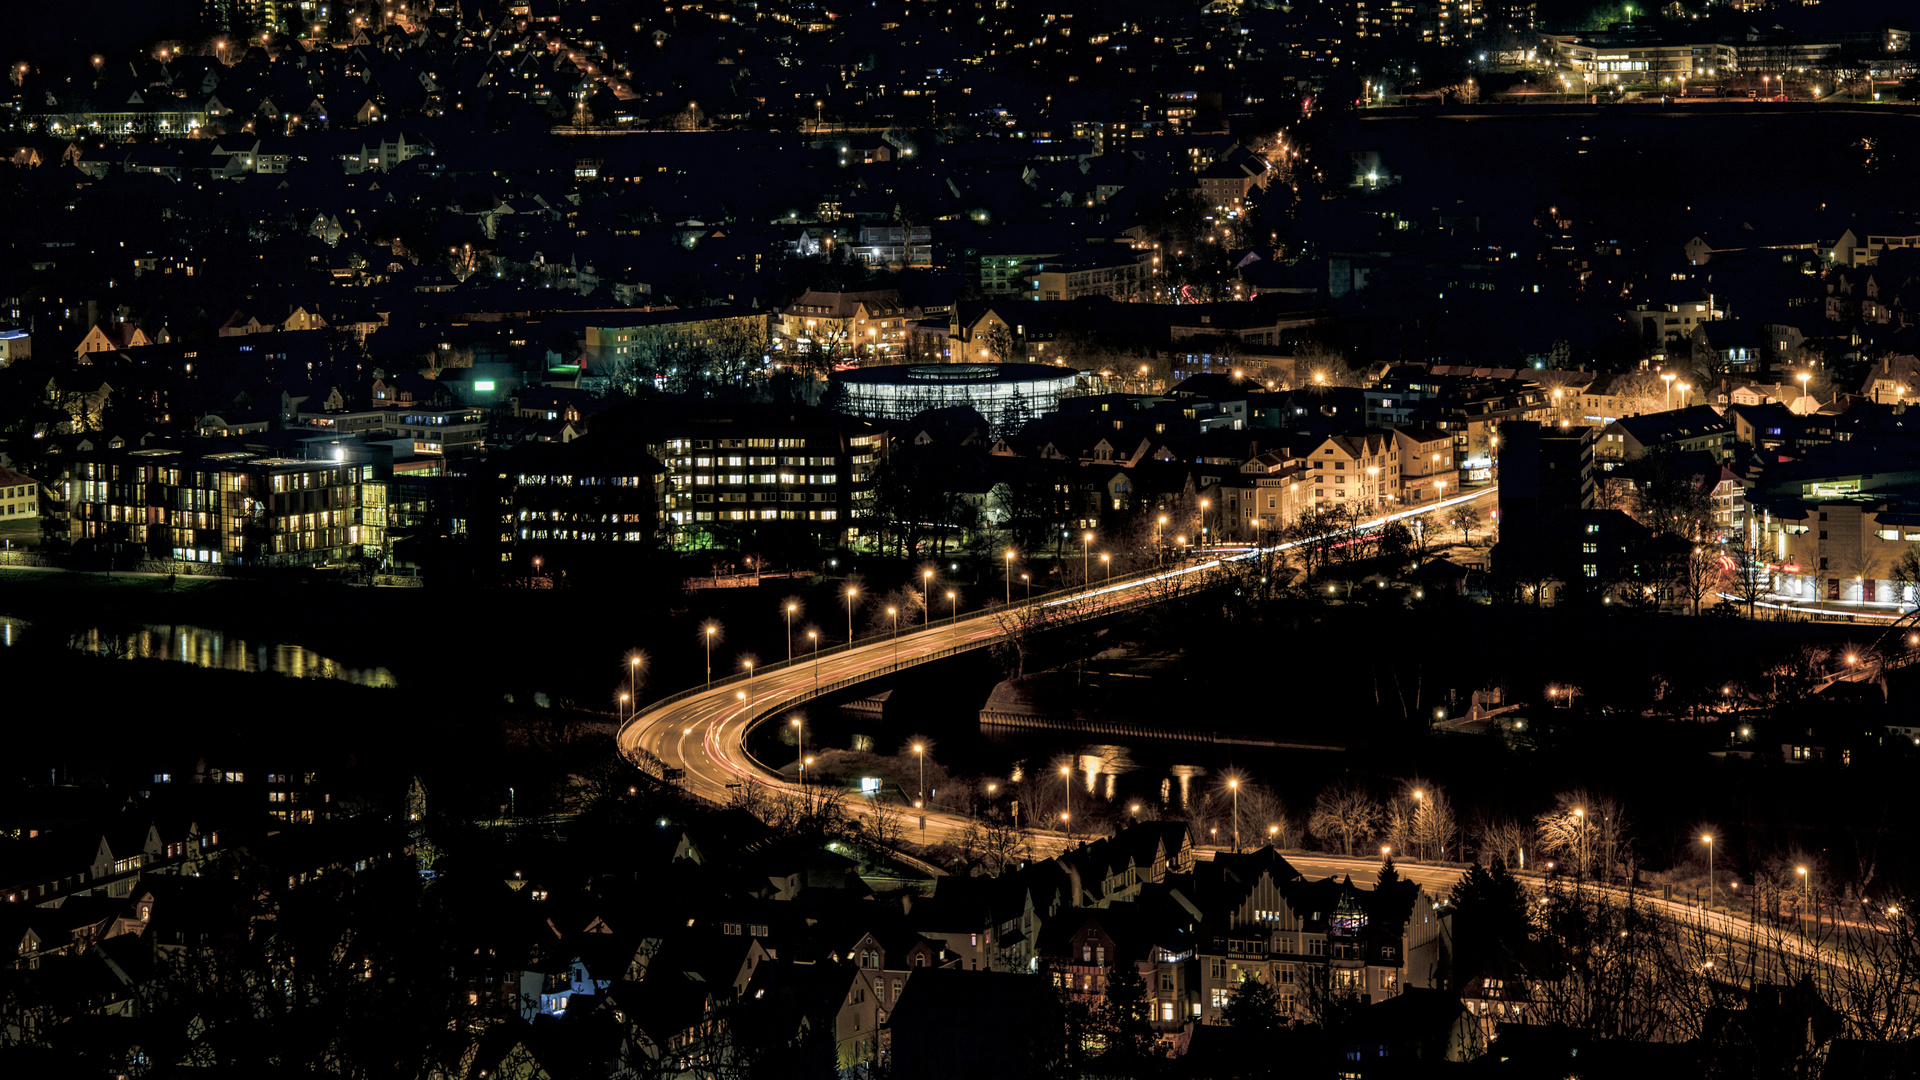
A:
{"x": 1066, "y": 785}
{"x": 800, "y": 741}
{"x": 623, "y": 701}
{"x": 926, "y": 595}
{"x": 1420, "y": 798}
{"x": 953, "y": 605}
{"x": 791, "y": 609}
{"x": 1086, "y": 557}
{"x": 1668, "y": 379}
{"x": 851, "y": 593}
{"x": 1027, "y": 580}
{"x": 712, "y": 629}
{"x": 1158, "y": 526}
{"x": 633, "y": 679}
{"x": 1233, "y": 785}
{"x": 814, "y": 636}
{"x": 748, "y": 661}
{"x": 1205, "y": 505}
{"x": 1803, "y": 377}
{"x": 1806, "y": 890}
{"x": 894, "y": 614}
{"x": 1580, "y": 841}
{"x": 1009, "y": 577}
{"x": 920, "y": 754}
{"x": 1106, "y": 563}
{"x": 1707, "y": 839}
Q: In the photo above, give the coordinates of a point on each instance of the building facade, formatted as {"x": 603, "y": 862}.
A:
{"x": 228, "y": 507}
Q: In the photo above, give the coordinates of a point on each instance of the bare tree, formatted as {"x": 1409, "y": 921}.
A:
{"x": 1464, "y": 517}
{"x": 1697, "y": 574}
{"x": 1588, "y": 830}
{"x": 1345, "y": 811}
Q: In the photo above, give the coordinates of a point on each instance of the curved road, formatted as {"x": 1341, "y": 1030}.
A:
{"x": 699, "y": 736}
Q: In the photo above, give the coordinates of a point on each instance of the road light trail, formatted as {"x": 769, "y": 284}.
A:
{"x": 719, "y": 718}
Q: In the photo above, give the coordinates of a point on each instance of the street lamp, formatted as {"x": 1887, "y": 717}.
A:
{"x": 792, "y": 608}
{"x": 712, "y": 629}
{"x": 851, "y": 593}
{"x": 1086, "y": 557}
{"x": 1233, "y": 785}
{"x": 1580, "y": 842}
{"x": 1668, "y": 379}
{"x": 894, "y": 614}
{"x": 953, "y": 604}
{"x": 1806, "y": 888}
{"x": 920, "y": 754}
{"x": 1205, "y": 504}
{"x": 1803, "y": 377}
{"x": 1009, "y": 576}
{"x": 633, "y": 678}
{"x": 926, "y": 595}
{"x": 1419, "y": 797}
{"x": 1066, "y": 785}
{"x": 623, "y": 699}
{"x": 748, "y": 661}
{"x": 1707, "y": 839}
{"x": 1027, "y": 580}
{"x": 800, "y": 740}
{"x": 814, "y": 636}
{"x": 1106, "y": 563}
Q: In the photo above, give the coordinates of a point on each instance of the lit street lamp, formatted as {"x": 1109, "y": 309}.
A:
{"x": 894, "y": 614}
{"x": 953, "y": 603}
{"x": 1086, "y": 557}
{"x": 920, "y": 754}
{"x": 633, "y": 678}
{"x": 712, "y": 629}
{"x": 926, "y": 595}
{"x": 1009, "y": 577}
{"x": 800, "y": 741}
{"x": 1066, "y": 785}
{"x": 814, "y": 636}
{"x": 1233, "y": 785}
{"x": 748, "y": 662}
{"x": 851, "y": 593}
{"x": 791, "y": 609}
{"x": 1106, "y": 563}
{"x": 1707, "y": 839}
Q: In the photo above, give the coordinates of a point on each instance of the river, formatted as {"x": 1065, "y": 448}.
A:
{"x": 204, "y": 647}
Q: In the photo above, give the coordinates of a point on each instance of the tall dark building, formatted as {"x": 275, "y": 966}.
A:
{"x": 1546, "y": 493}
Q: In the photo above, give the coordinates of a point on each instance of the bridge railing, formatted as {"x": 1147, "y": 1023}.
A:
{"x": 1046, "y": 602}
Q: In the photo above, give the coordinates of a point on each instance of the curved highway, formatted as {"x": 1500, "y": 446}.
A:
{"x": 698, "y": 737}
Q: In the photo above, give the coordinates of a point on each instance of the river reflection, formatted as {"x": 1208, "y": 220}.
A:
{"x": 202, "y": 647}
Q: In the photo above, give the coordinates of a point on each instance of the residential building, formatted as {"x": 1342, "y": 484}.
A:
{"x": 872, "y": 325}
{"x": 1700, "y": 427}
{"x": 19, "y": 497}
{"x": 1354, "y": 472}
{"x": 218, "y": 504}
{"x": 1427, "y": 472}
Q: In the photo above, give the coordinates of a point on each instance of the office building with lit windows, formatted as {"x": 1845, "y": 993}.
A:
{"x": 766, "y": 466}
